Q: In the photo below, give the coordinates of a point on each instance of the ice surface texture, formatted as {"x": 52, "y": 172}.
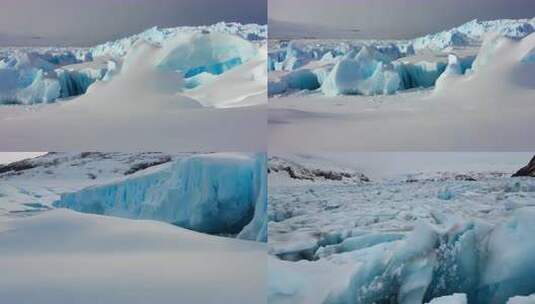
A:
{"x": 382, "y": 67}
{"x": 453, "y": 236}
{"x": 40, "y": 75}
{"x": 214, "y": 193}
{"x": 431, "y": 262}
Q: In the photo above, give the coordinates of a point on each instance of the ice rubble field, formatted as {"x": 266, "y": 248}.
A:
{"x": 153, "y": 83}
{"x": 430, "y": 237}
{"x": 453, "y": 84}
{"x": 83, "y": 257}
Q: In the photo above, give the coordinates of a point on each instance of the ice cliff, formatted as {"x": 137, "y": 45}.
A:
{"x": 212, "y": 193}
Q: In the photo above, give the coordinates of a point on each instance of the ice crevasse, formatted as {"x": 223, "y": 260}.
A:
{"x": 211, "y": 193}
{"x": 430, "y": 265}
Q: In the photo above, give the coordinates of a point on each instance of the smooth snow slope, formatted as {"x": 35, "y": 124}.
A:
{"x": 66, "y": 257}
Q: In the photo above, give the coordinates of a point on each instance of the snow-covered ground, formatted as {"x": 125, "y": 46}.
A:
{"x": 420, "y": 227}
{"x": 468, "y": 88}
{"x": 187, "y": 88}
{"x": 120, "y": 238}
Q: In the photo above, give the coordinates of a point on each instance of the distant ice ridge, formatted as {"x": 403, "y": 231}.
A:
{"x": 212, "y": 193}
{"x": 473, "y": 31}
{"x": 250, "y": 32}
{"x": 338, "y": 67}
{"x": 428, "y": 266}
{"x": 41, "y": 75}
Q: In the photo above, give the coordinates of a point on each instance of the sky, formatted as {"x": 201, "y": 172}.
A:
{"x": 396, "y": 19}
{"x": 9, "y": 157}
{"x": 87, "y": 22}
{"x": 388, "y": 164}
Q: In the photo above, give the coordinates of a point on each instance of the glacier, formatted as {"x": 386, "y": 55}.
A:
{"x": 329, "y": 66}
{"x": 433, "y": 262}
{"x": 31, "y": 77}
{"x": 44, "y": 75}
{"x": 83, "y": 256}
{"x": 213, "y": 193}
{"x": 444, "y": 235}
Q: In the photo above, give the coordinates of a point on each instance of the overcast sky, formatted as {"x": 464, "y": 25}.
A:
{"x": 91, "y": 21}
{"x": 9, "y": 157}
{"x": 396, "y": 18}
{"x": 387, "y": 164}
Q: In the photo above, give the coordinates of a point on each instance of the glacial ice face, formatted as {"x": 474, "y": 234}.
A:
{"x": 471, "y": 258}
{"x": 330, "y": 63}
{"x": 435, "y": 264}
{"x": 367, "y": 73}
{"x": 420, "y": 74}
{"x": 29, "y": 76}
{"x": 213, "y": 193}
{"x": 257, "y": 228}
{"x": 212, "y": 53}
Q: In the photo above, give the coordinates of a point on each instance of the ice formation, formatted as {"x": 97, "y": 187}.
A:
{"x": 365, "y": 73}
{"x": 214, "y": 193}
{"x": 433, "y": 237}
{"x": 390, "y": 66}
{"x": 45, "y": 75}
{"x": 432, "y": 262}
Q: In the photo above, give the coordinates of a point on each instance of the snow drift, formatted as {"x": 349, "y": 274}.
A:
{"x": 68, "y": 256}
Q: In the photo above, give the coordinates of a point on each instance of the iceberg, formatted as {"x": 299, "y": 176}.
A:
{"x": 367, "y": 73}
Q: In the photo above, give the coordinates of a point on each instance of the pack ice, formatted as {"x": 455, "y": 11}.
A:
{"x": 449, "y": 236}
{"x": 380, "y": 67}
{"x": 43, "y": 75}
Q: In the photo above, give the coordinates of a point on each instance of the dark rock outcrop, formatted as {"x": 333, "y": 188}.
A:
{"x": 298, "y": 171}
{"x": 527, "y": 170}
